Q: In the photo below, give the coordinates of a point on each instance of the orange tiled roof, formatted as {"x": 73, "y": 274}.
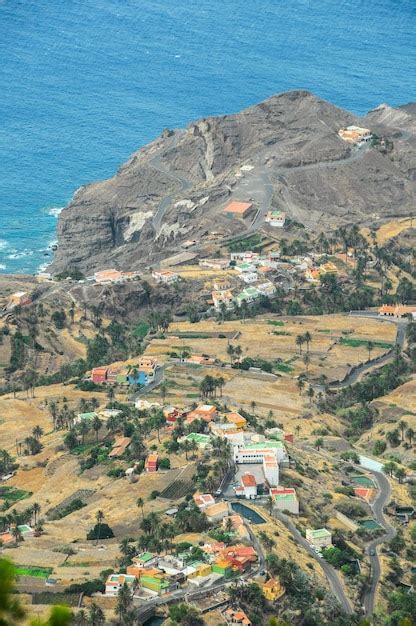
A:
{"x": 237, "y": 207}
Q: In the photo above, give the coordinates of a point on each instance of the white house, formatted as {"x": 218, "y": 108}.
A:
{"x": 248, "y": 486}
{"x": 255, "y": 452}
{"x": 267, "y": 288}
{"x": 271, "y": 469}
{"x": 276, "y": 218}
{"x": 249, "y": 277}
{"x": 165, "y": 276}
{"x": 116, "y": 581}
{"x": 225, "y": 298}
{"x": 320, "y": 538}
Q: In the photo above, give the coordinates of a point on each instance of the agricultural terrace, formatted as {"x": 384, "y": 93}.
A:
{"x": 338, "y": 342}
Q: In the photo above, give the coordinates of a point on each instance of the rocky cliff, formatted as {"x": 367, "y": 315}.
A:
{"x": 284, "y": 152}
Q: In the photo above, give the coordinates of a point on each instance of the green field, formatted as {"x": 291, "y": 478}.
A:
{"x": 141, "y": 330}
{"x": 284, "y": 367}
{"x": 363, "y": 343}
{"x": 276, "y": 322}
{"x": 11, "y": 495}
{"x": 36, "y": 572}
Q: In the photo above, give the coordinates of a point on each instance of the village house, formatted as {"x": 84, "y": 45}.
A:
{"x": 284, "y": 499}
{"x": 276, "y": 218}
{"x": 237, "y": 209}
{"x": 216, "y": 512}
{"x": 245, "y": 267}
{"x": 202, "y": 500}
{"x": 205, "y": 412}
{"x": 249, "y": 277}
{"x": 107, "y": 276}
{"x": 145, "y": 559}
{"x": 328, "y": 268}
{"x": 236, "y": 616}
{"x": 221, "y": 284}
{"x": 20, "y": 298}
{"x": 271, "y": 469}
{"x": 220, "y": 298}
{"x": 238, "y": 420}
{"x": 319, "y": 538}
{"x": 202, "y": 441}
{"x": 165, "y": 276}
{"x": 220, "y": 429}
{"x": 312, "y": 275}
{"x": 248, "y": 295}
{"x": 397, "y": 310}
{"x": 119, "y": 447}
{"x": 151, "y": 464}
{"x": 273, "y": 589}
{"x": 246, "y": 257}
{"x": 247, "y": 487}
{"x": 266, "y": 288}
{"x": 116, "y": 581}
{"x": 88, "y": 417}
{"x": 215, "y": 264}
{"x": 355, "y": 135}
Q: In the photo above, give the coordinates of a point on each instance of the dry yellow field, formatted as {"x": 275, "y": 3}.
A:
{"x": 391, "y": 229}
{"x": 258, "y": 338}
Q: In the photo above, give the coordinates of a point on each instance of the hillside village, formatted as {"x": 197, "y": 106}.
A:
{"x": 249, "y": 459}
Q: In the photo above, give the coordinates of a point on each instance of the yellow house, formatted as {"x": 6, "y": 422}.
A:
{"x": 237, "y": 419}
{"x": 204, "y": 569}
{"x": 273, "y": 589}
{"x": 328, "y": 268}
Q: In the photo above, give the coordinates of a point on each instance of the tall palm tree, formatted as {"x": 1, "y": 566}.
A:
{"x": 83, "y": 429}
{"x": 140, "y": 504}
{"x": 37, "y": 432}
{"x": 307, "y": 337}
{"x": 36, "y": 510}
{"x": 299, "y": 342}
{"x": 96, "y": 425}
{"x": 370, "y": 348}
{"x": 99, "y": 516}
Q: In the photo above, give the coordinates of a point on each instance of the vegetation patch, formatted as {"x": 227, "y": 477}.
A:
{"x": 61, "y": 598}
{"x": 10, "y": 495}
{"x": 363, "y": 343}
{"x": 34, "y": 571}
{"x": 284, "y": 367}
{"x": 276, "y": 322}
{"x": 141, "y": 330}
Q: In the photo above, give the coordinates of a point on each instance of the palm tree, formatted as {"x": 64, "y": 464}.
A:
{"x": 370, "y": 348}
{"x": 163, "y": 388}
{"x": 297, "y": 428}
{"x": 310, "y": 393}
{"x": 400, "y": 474}
{"x": 36, "y": 511}
{"x": 186, "y": 446}
{"x": 253, "y": 405}
{"x": 306, "y": 360}
{"x": 402, "y": 425}
{"x": 300, "y": 383}
{"x": 83, "y": 429}
{"x": 307, "y": 337}
{"x": 410, "y": 433}
{"x": 99, "y": 516}
{"x": 96, "y": 615}
{"x": 110, "y": 392}
{"x": 37, "y": 432}
{"x": 96, "y": 425}
{"x": 140, "y": 504}
{"x": 230, "y": 352}
{"x": 300, "y": 340}
{"x": 319, "y": 443}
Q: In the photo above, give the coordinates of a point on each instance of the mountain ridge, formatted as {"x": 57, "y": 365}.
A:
{"x": 174, "y": 188}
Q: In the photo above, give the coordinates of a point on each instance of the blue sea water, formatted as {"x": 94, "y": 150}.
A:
{"x": 85, "y": 83}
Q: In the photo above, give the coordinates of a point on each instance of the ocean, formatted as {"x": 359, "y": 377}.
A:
{"x": 85, "y": 83}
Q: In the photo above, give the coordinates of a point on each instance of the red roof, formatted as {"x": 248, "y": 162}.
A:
{"x": 248, "y": 480}
{"x": 238, "y": 207}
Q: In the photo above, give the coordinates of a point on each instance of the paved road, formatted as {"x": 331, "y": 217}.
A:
{"x": 377, "y": 507}
{"x": 381, "y": 360}
{"x": 159, "y": 375}
{"x": 185, "y": 183}
{"x": 328, "y": 570}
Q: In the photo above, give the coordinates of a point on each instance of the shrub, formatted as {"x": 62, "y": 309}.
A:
{"x": 100, "y": 531}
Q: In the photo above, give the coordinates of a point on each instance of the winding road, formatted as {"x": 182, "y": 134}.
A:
{"x": 328, "y": 570}
{"x": 377, "y": 507}
{"x": 164, "y": 204}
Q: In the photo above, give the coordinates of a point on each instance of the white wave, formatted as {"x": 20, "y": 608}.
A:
{"x": 20, "y": 255}
{"x": 4, "y": 244}
{"x": 42, "y": 267}
{"x": 54, "y": 211}
{"x": 2, "y": 266}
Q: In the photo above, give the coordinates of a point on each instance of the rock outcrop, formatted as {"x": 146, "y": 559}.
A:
{"x": 176, "y": 187}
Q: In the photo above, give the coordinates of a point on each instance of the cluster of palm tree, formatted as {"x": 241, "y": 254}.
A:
{"x": 301, "y": 339}
{"x": 93, "y": 616}
{"x": 160, "y": 320}
{"x": 12, "y": 520}
{"x": 209, "y": 385}
{"x": 234, "y": 352}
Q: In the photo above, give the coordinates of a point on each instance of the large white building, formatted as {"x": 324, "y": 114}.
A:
{"x": 255, "y": 452}
{"x": 320, "y": 538}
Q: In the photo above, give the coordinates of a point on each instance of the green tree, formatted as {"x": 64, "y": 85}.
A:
{"x": 11, "y": 611}
{"x": 96, "y": 425}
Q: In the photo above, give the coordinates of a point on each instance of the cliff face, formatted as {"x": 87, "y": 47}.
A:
{"x": 284, "y": 151}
